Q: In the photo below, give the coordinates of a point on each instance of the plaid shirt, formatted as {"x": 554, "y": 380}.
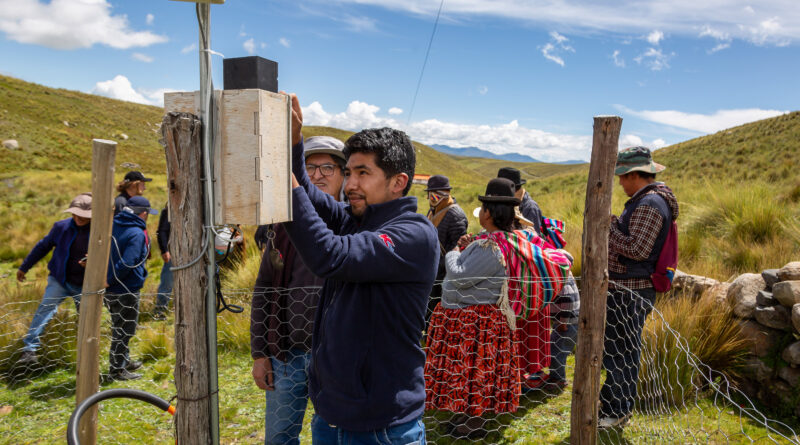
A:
{"x": 644, "y": 227}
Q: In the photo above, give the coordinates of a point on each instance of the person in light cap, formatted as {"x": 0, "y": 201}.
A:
{"x": 69, "y": 240}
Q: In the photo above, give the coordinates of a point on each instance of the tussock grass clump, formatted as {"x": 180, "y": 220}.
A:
{"x": 707, "y": 328}
{"x": 156, "y": 343}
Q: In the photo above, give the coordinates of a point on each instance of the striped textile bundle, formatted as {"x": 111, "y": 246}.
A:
{"x": 536, "y": 272}
{"x": 553, "y": 231}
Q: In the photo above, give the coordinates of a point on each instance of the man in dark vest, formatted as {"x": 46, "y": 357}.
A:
{"x": 450, "y": 222}
{"x": 528, "y": 207}
{"x": 634, "y": 245}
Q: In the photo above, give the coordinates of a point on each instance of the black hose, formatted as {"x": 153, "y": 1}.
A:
{"x": 74, "y": 419}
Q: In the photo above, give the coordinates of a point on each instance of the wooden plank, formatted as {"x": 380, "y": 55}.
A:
{"x": 94, "y": 283}
{"x": 594, "y": 281}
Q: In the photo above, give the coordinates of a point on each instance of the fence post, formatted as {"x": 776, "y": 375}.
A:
{"x": 594, "y": 280}
{"x": 88, "y": 373}
{"x": 187, "y": 245}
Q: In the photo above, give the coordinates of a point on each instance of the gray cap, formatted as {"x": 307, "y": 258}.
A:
{"x": 324, "y": 145}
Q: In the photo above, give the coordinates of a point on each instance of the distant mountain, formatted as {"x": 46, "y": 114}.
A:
{"x": 475, "y": 152}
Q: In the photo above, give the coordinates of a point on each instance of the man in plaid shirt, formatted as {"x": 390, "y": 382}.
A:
{"x": 635, "y": 242}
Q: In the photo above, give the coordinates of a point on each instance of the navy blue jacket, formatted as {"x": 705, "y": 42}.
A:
{"x": 60, "y": 237}
{"x": 130, "y": 249}
{"x": 366, "y": 369}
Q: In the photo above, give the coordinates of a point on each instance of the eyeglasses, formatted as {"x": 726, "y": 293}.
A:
{"x": 325, "y": 169}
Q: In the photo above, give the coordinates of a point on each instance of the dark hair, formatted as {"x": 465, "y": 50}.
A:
{"x": 645, "y": 175}
{"x": 503, "y": 215}
{"x": 393, "y": 151}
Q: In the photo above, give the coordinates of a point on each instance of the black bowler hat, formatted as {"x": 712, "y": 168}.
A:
{"x": 511, "y": 174}
{"x": 438, "y": 182}
{"x": 500, "y": 190}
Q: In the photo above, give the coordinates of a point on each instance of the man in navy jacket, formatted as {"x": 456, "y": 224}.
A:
{"x": 126, "y": 275}
{"x": 70, "y": 239}
{"x": 379, "y": 259}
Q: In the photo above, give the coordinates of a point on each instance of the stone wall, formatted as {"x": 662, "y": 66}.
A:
{"x": 767, "y": 306}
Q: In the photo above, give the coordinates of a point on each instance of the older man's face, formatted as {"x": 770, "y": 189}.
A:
{"x": 325, "y": 173}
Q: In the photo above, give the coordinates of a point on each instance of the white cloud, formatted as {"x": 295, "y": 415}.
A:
{"x": 618, "y": 61}
{"x": 121, "y": 88}
{"x": 503, "y": 138}
{"x": 655, "y": 37}
{"x": 719, "y": 47}
{"x": 723, "y": 38}
{"x": 676, "y": 17}
{"x": 655, "y": 59}
{"x": 395, "y": 111}
{"x": 358, "y": 24}
{"x": 262, "y": 45}
{"x": 703, "y": 123}
{"x": 284, "y": 42}
{"x": 632, "y": 140}
{"x": 70, "y": 24}
{"x": 250, "y": 46}
{"x": 482, "y": 90}
{"x": 150, "y": 19}
{"x": 552, "y": 50}
{"x": 142, "y": 57}
{"x": 189, "y": 48}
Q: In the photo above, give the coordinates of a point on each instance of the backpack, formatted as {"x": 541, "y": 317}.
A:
{"x": 667, "y": 261}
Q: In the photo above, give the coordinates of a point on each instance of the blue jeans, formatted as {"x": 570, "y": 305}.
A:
{"x": 409, "y": 433}
{"x": 563, "y": 342}
{"x": 54, "y": 294}
{"x": 286, "y": 404}
{"x": 626, "y": 312}
{"x": 164, "y": 287}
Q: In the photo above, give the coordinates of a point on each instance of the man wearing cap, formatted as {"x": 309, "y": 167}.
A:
{"x": 379, "y": 258}
{"x": 69, "y": 240}
{"x": 284, "y": 306}
{"x": 132, "y": 185}
{"x": 451, "y": 224}
{"x": 528, "y": 207}
{"x": 126, "y": 275}
{"x": 634, "y": 244}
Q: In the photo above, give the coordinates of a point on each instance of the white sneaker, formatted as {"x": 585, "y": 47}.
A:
{"x": 612, "y": 422}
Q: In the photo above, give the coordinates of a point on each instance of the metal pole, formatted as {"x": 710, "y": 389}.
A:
{"x": 206, "y": 109}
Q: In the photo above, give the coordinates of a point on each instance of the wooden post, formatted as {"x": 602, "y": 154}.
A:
{"x": 594, "y": 281}
{"x": 88, "y": 373}
{"x": 182, "y": 133}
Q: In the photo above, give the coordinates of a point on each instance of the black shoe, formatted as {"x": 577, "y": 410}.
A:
{"x": 133, "y": 365}
{"x": 159, "y": 315}
{"x": 27, "y": 358}
{"x": 123, "y": 374}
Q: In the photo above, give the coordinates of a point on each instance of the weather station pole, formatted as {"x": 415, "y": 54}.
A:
{"x": 206, "y": 107}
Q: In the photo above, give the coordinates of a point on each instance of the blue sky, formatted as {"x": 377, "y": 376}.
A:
{"x": 522, "y": 76}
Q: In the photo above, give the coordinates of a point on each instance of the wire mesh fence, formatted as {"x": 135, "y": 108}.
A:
{"x": 490, "y": 377}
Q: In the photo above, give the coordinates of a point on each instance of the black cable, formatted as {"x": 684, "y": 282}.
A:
{"x": 80, "y": 410}
{"x": 425, "y": 62}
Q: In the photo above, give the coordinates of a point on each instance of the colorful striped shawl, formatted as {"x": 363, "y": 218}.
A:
{"x": 535, "y": 272}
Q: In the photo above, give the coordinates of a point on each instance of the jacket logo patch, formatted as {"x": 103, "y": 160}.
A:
{"x": 386, "y": 240}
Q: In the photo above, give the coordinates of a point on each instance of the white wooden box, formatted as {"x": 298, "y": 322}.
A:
{"x": 252, "y": 154}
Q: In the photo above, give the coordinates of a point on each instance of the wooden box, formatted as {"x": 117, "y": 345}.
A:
{"x": 252, "y": 154}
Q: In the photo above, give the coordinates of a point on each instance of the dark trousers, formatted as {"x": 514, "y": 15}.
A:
{"x": 626, "y": 312}
{"x": 124, "y": 310}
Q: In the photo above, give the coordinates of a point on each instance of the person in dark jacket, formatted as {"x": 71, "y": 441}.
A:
{"x": 126, "y": 275}
{"x": 166, "y": 282}
{"x": 70, "y": 239}
{"x": 378, "y": 258}
{"x": 634, "y": 244}
{"x": 132, "y": 185}
{"x": 451, "y": 224}
{"x": 528, "y": 207}
{"x": 284, "y": 306}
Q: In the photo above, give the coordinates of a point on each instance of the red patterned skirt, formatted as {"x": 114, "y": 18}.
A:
{"x": 472, "y": 363}
{"x": 533, "y": 336}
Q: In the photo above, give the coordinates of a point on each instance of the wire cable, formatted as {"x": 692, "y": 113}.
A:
{"x": 425, "y": 62}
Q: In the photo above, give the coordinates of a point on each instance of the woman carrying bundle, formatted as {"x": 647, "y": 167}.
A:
{"x": 472, "y": 362}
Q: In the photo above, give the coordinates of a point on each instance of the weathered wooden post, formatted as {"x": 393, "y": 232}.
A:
{"x": 88, "y": 373}
{"x": 188, "y": 241}
{"x": 594, "y": 281}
